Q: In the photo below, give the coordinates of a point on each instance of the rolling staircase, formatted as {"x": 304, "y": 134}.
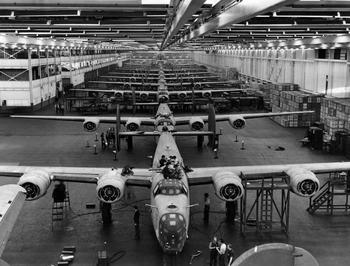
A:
{"x": 324, "y": 196}
{"x": 332, "y": 196}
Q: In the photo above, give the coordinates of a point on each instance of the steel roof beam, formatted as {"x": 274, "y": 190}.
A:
{"x": 183, "y": 13}
{"x": 242, "y": 11}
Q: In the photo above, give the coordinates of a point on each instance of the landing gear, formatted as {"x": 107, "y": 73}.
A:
{"x": 200, "y": 140}
{"x": 129, "y": 142}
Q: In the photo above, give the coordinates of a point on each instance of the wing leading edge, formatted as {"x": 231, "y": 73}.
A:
{"x": 204, "y": 175}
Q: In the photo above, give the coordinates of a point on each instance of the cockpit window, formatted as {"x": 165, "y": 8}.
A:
{"x": 170, "y": 187}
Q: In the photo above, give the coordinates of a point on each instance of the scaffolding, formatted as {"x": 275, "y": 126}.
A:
{"x": 269, "y": 210}
{"x": 333, "y": 195}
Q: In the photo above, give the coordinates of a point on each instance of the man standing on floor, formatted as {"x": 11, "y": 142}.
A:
{"x": 222, "y": 252}
{"x": 137, "y": 222}
{"x": 213, "y": 251}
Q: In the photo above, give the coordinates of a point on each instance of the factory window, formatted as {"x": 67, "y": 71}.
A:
{"x": 34, "y": 54}
{"x": 42, "y": 53}
{"x": 14, "y": 75}
{"x": 340, "y": 54}
{"x": 35, "y": 73}
{"x": 337, "y": 53}
{"x": 15, "y": 53}
{"x": 322, "y": 53}
{"x": 50, "y": 53}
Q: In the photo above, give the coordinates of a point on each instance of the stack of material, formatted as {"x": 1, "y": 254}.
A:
{"x": 335, "y": 114}
{"x": 288, "y": 99}
{"x": 265, "y": 91}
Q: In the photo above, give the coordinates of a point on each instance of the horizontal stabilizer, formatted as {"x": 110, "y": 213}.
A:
{"x": 139, "y": 133}
{"x": 156, "y": 133}
{"x": 193, "y": 133}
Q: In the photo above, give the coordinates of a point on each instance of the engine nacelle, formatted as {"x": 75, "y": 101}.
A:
{"x": 228, "y": 186}
{"x": 110, "y": 187}
{"x": 237, "y": 122}
{"x": 133, "y": 124}
{"x": 163, "y": 98}
{"x": 118, "y": 94}
{"x": 206, "y": 94}
{"x": 197, "y": 86}
{"x": 36, "y": 183}
{"x": 196, "y": 123}
{"x": 182, "y": 95}
{"x": 91, "y": 124}
{"x": 144, "y": 96}
{"x": 303, "y": 182}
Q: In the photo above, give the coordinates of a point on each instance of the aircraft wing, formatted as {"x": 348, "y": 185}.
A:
{"x": 11, "y": 201}
{"x": 204, "y": 175}
{"x": 102, "y": 119}
{"x": 185, "y": 119}
{"x": 122, "y": 83}
{"x": 140, "y": 176}
{"x": 98, "y": 90}
{"x": 117, "y": 91}
{"x": 200, "y": 91}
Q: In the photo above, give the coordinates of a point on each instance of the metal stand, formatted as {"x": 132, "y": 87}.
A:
{"x": 335, "y": 190}
{"x": 261, "y": 213}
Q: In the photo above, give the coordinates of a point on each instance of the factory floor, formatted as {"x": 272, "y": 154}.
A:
{"x": 55, "y": 143}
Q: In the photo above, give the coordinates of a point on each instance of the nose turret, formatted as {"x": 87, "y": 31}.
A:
{"x": 172, "y": 232}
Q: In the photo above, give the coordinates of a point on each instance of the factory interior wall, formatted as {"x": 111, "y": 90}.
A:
{"x": 298, "y": 66}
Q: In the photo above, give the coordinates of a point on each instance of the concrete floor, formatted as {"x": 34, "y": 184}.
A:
{"x": 54, "y": 143}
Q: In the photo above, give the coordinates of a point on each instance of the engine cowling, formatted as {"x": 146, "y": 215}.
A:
{"x": 228, "y": 186}
{"x": 144, "y": 96}
{"x": 196, "y": 123}
{"x": 237, "y": 122}
{"x": 110, "y": 187}
{"x": 163, "y": 97}
{"x": 206, "y": 94}
{"x": 182, "y": 95}
{"x": 303, "y": 182}
{"x": 197, "y": 85}
{"x": 91, "y": 124}
{"x": 35, "y": 183}
{"x": 133, "y": 124}
{"x": 118, "y": 94}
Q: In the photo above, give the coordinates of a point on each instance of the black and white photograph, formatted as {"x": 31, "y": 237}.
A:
{"x": 175, "y": 132}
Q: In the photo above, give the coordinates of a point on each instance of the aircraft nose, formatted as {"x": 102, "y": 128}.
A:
{"x": 172, "y": 232}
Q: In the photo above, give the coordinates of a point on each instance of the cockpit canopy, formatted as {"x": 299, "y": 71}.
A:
{"x": 170, "y": 187}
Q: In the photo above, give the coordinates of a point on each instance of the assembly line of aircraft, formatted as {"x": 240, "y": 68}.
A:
{"x": 181, "y": 94}
{"x": 170, "y": 195}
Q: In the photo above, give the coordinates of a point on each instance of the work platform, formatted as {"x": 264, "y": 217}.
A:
{"x": 333, "y": 196}
{"x": 269, "y": 211}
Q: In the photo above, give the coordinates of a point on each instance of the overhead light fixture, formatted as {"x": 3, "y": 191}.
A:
{"x": 156, "y": 16}
{"x": 303, "y": 16}
{"x": 155, "y": 2}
